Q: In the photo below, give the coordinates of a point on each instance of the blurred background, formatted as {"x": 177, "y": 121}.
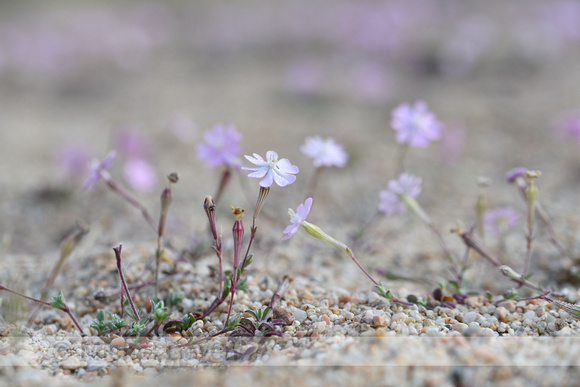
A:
{"x": 147, "y": 79}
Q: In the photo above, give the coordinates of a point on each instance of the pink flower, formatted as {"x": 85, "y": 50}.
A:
{"x": 501, "y": 219}
{"x": 326, "y": 153}
{"x": 296, "y": 218}
{"x": 272, "y": 170}
{"x": 390, "y": 199}
{"x": 222, "y": 146}
{"x": 140, "y": 174}
{"x": 415, "y": 125}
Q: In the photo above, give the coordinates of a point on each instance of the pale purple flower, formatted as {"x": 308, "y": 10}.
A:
{"x": 501, "y": 219}
{"x": 140, "y": 174}
{"x": 272, "y": 170}
{"x": 326, "y": 153}
{"x": 390, "y": 199}
{"x": 514, "y": 173}
{"x": 132, "y": 142}
{"x": 96, "y": 168}
{"x": 415, "y": 125}
{"x": 568, "y": 125}
{"x": 296, "y": 218}
{"x": 221, "y": 146}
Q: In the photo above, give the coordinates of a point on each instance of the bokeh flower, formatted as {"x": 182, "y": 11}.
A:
{"x": 221, "y": 146}
{"x": 272, "y": 170}
{"x": 391, "y": 201}
{"x": 95, "y": 171}
{"x": 501, "y": 220}
{"x": 415, "y": 125}
{"x": 326, "y": 153}
{"x": 568, "y": 126}
{"x": 296, "y": 218}
{"x": 515, "y": 173}
{"x": 140, "y": 174}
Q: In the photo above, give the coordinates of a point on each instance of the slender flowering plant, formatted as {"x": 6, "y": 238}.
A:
{"x": 298, "y": 219}
{"x": 272, "y": 169}
{"x": 400, "y": 196}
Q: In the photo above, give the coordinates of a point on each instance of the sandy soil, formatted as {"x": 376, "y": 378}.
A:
{"x": 503, "y": 104}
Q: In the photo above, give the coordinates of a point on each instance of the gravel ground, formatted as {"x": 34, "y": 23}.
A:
{"x": 238, "y": 63}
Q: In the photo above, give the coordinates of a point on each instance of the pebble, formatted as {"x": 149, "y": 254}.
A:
{"x": 73, "y": 363}
{"x": 118, "y": 342}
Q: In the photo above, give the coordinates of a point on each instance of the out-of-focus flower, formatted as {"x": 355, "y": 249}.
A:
{"x": 182, "y": 127}
{"x": 72, "y": 161}
{"x": 96, "y": 168}
{"x": 131, "y": 142}
{"x": 391, "y": 200}
{"x": 513, "y": 174}
{"x": 222, "y": 146}
{"x": 501, "y": 219}
{"x": 568, "y": 126}
{"x": 305, "y": 77}
{"x": 415, "y": 124}
{"x": 296, "y": 218}
{"x": 272, "y": 170}
{"x": 140, "y": 174}
{"x": 326, "y": 153}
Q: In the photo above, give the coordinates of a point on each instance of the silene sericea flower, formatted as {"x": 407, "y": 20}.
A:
{"x": 272, "y": 169}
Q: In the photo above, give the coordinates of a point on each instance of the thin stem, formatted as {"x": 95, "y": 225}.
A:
{"x": 223, "y": 182}
{"x": 65, "y": 309}
{"x": 115, "y": 186}
{"x": 314, "y": 181}
{"x": 351, "y": 255}
{"x": 117, "y": 251}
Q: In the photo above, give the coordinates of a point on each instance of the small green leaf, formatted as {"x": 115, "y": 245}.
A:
{"x": 58, "y": 301}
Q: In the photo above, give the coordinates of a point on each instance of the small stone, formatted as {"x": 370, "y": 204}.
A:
{"x": 72, "y": 363}
{"x": 149, "y": 363}
{"x": 95, "y": 365}
{"x": 325, "y": 319}
{"x": 501, "y": 313}
{"x": 118, "y": 342}
{"x": 469, "y": 317}
{"x": 284, "y": 314}
{"x": 344, "y": 298}
{"x": 300, "y": 315}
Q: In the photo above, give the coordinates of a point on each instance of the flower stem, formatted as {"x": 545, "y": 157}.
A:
{"x": 117, "y": 251}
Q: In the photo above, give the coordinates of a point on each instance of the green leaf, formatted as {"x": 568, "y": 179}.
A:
{"x": 58, "y": 301}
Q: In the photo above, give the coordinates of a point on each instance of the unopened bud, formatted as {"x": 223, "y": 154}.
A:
{"x": 173, "y": 177}
{"x": 317, "y": 233}
{"x": 209, "y": 208}
{"x": 510, "y": 273}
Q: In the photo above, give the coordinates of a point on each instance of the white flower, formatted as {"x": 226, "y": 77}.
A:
{"x": 272, "y": 170}
{"x": 326, "y": 153}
